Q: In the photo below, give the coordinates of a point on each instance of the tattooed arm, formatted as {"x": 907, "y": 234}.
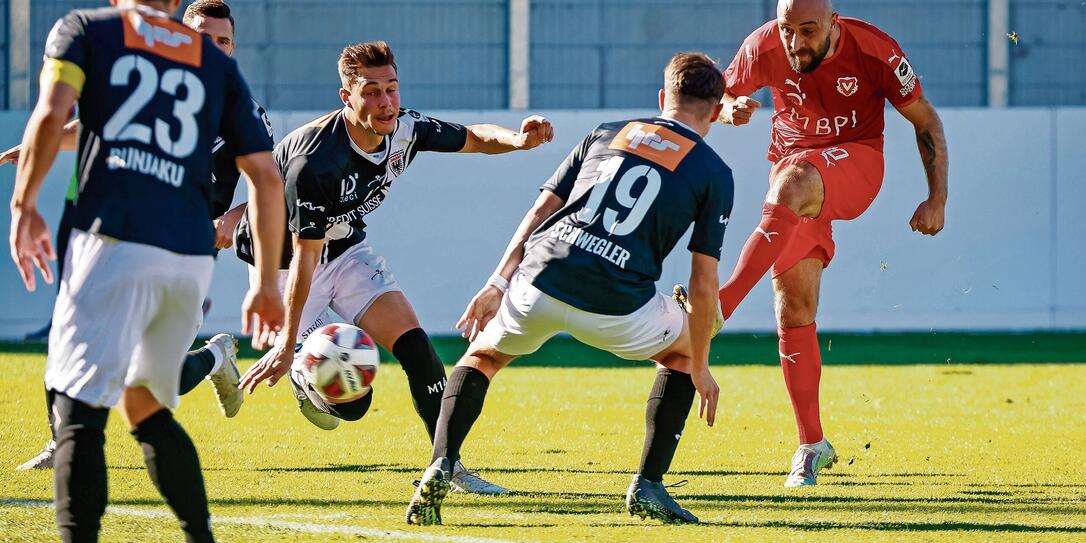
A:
{"x": 930, "y": 139}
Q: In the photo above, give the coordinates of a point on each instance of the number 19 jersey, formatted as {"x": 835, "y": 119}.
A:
{"x": 154, "y": 95}
{"x": 631, "y": 190}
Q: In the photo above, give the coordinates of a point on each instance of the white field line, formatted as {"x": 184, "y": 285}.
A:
{"x": 304, "y": 527}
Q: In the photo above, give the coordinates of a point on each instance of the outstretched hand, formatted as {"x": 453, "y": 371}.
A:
{"x": 272, "y": 366}
{"x": 480, "y": 310}
{"x": 31, "y": 246}
{"x": 534, "y": 131}
{"x": 11, "y": 155}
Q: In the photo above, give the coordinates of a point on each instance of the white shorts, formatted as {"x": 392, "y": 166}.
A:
{"x": 348, "y": 285}
{"x": 528, "y": 318}
{"x": 125, "y": 316}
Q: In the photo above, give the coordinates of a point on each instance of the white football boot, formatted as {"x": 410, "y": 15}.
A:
{"x": 43, "y": 460}
{"x": 465, "y": 480}
{"x": 682, "y": 297}
{"x": 808, "y": 461}
{"x": 225, "y": 380}
{"x": 320, "y": 419}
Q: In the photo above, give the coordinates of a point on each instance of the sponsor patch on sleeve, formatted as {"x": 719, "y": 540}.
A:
{"x": 904, "y": 72}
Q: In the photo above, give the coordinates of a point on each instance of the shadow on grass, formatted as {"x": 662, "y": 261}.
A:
{"x": 391, "y": 468}
{"x": 906, "y": 526}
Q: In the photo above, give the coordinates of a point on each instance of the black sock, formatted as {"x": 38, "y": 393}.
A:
{"x": 49, "y": 397}
{"x": 425, "y": 375}
{"x": 175, "y": 469}
{"x": 461, "y": 405}
{"x": 197, "y": 365}
{"x": 79, "y": 464}
{"x": 351, "y": 410}
{"x": 665, "y": 416}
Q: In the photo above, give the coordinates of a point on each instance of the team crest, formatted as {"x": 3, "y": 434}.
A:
{"x": 847, "y": 86}
{"x": 396, "y": 163}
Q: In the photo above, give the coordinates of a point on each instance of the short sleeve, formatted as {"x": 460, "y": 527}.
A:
{"x": 436, "y": 135}
{"x": 306, "y": 211}
{"x": 899, "y": 81}
{"x": 562, "y": 181}
{"x": 243, "y": 123}
{"x": 65, "y": 52}
{"x": 748, "y": 72}
{"x": 714, "y": 212}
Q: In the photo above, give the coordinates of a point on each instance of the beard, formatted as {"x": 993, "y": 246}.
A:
{"x": 816, "y": 57}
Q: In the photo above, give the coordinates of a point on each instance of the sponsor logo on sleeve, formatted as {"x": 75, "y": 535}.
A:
{"x": 904, "y": 72}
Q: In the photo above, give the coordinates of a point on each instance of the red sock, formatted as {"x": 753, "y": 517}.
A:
{"x": 765, "y": 244}
{"x": 801, "y": 360}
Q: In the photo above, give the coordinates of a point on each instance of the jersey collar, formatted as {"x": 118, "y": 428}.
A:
{"x": 376, "y": 158}
{"x": 678, "y": 122}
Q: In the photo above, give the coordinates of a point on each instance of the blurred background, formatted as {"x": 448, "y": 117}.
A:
{"x": 1008, "y": 77}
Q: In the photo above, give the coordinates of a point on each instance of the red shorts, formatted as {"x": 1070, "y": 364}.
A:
{"x": 852, "y": 176}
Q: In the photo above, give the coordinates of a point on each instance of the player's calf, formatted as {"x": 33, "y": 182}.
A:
{"x": 80, "y": 462}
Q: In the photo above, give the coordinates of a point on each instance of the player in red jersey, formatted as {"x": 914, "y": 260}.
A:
{"x": 830, "y": 76}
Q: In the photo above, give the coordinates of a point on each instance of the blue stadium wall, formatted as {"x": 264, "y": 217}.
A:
{"x": 588, "y": 54}
{"x": 1011, "y": 257}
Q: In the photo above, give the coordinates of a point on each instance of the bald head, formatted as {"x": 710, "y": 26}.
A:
{"x": 813, "y": 8}
{"x": 806, "y": 29}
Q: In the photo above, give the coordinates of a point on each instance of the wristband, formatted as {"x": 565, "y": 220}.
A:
{"x": 498, "y": 282}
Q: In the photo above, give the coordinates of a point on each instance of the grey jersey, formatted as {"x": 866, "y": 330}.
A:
{"x": 631, "y": 190}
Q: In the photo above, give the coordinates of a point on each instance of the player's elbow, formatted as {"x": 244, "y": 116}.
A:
{"x": 703, "y": 283}
{"x": 262, "y": 171}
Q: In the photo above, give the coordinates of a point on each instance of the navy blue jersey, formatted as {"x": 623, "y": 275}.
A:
{"x": 224, "y": 169}
{"x": 154, "y": 96}
{"x": 631, "y": 190}
{"x": 331, "y": 184}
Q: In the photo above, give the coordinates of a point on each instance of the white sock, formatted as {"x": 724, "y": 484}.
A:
{"x": 216, "y": 351}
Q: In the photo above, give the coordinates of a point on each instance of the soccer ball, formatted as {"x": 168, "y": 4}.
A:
{"x": 340, "y": 361}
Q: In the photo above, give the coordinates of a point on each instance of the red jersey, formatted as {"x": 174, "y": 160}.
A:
{"x": 841, "y": 101}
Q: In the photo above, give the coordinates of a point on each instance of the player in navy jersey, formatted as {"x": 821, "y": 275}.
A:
{"x": 217, "y": 361}
{"x": 585, "y": 260}
{"x": 153, "y": 95}
{"x": 338, "y": 169}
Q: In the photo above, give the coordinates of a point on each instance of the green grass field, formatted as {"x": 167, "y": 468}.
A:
{"x": 928, "y": 453}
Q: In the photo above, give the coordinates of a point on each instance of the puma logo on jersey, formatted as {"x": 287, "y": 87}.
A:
{"x": 766, "y": 235}
{"x": 791, "y": 358}
{"x": 799, "y": 96}
{"x": 724, "y": 220}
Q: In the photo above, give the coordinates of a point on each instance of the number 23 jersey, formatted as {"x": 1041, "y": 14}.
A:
{"x": 154, "y": 95}
{"x": 631, "y": 190}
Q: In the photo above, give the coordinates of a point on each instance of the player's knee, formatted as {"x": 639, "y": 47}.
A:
{"x": 137, "y": 404}
{"x": 72, "y": 414}
{"x": 795, "y": 311}
{"x": 680, "y": 362}
{"x": 354, "y": 410}
{"x": 797, "y": 187}
{"x": 485, "y": 360}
